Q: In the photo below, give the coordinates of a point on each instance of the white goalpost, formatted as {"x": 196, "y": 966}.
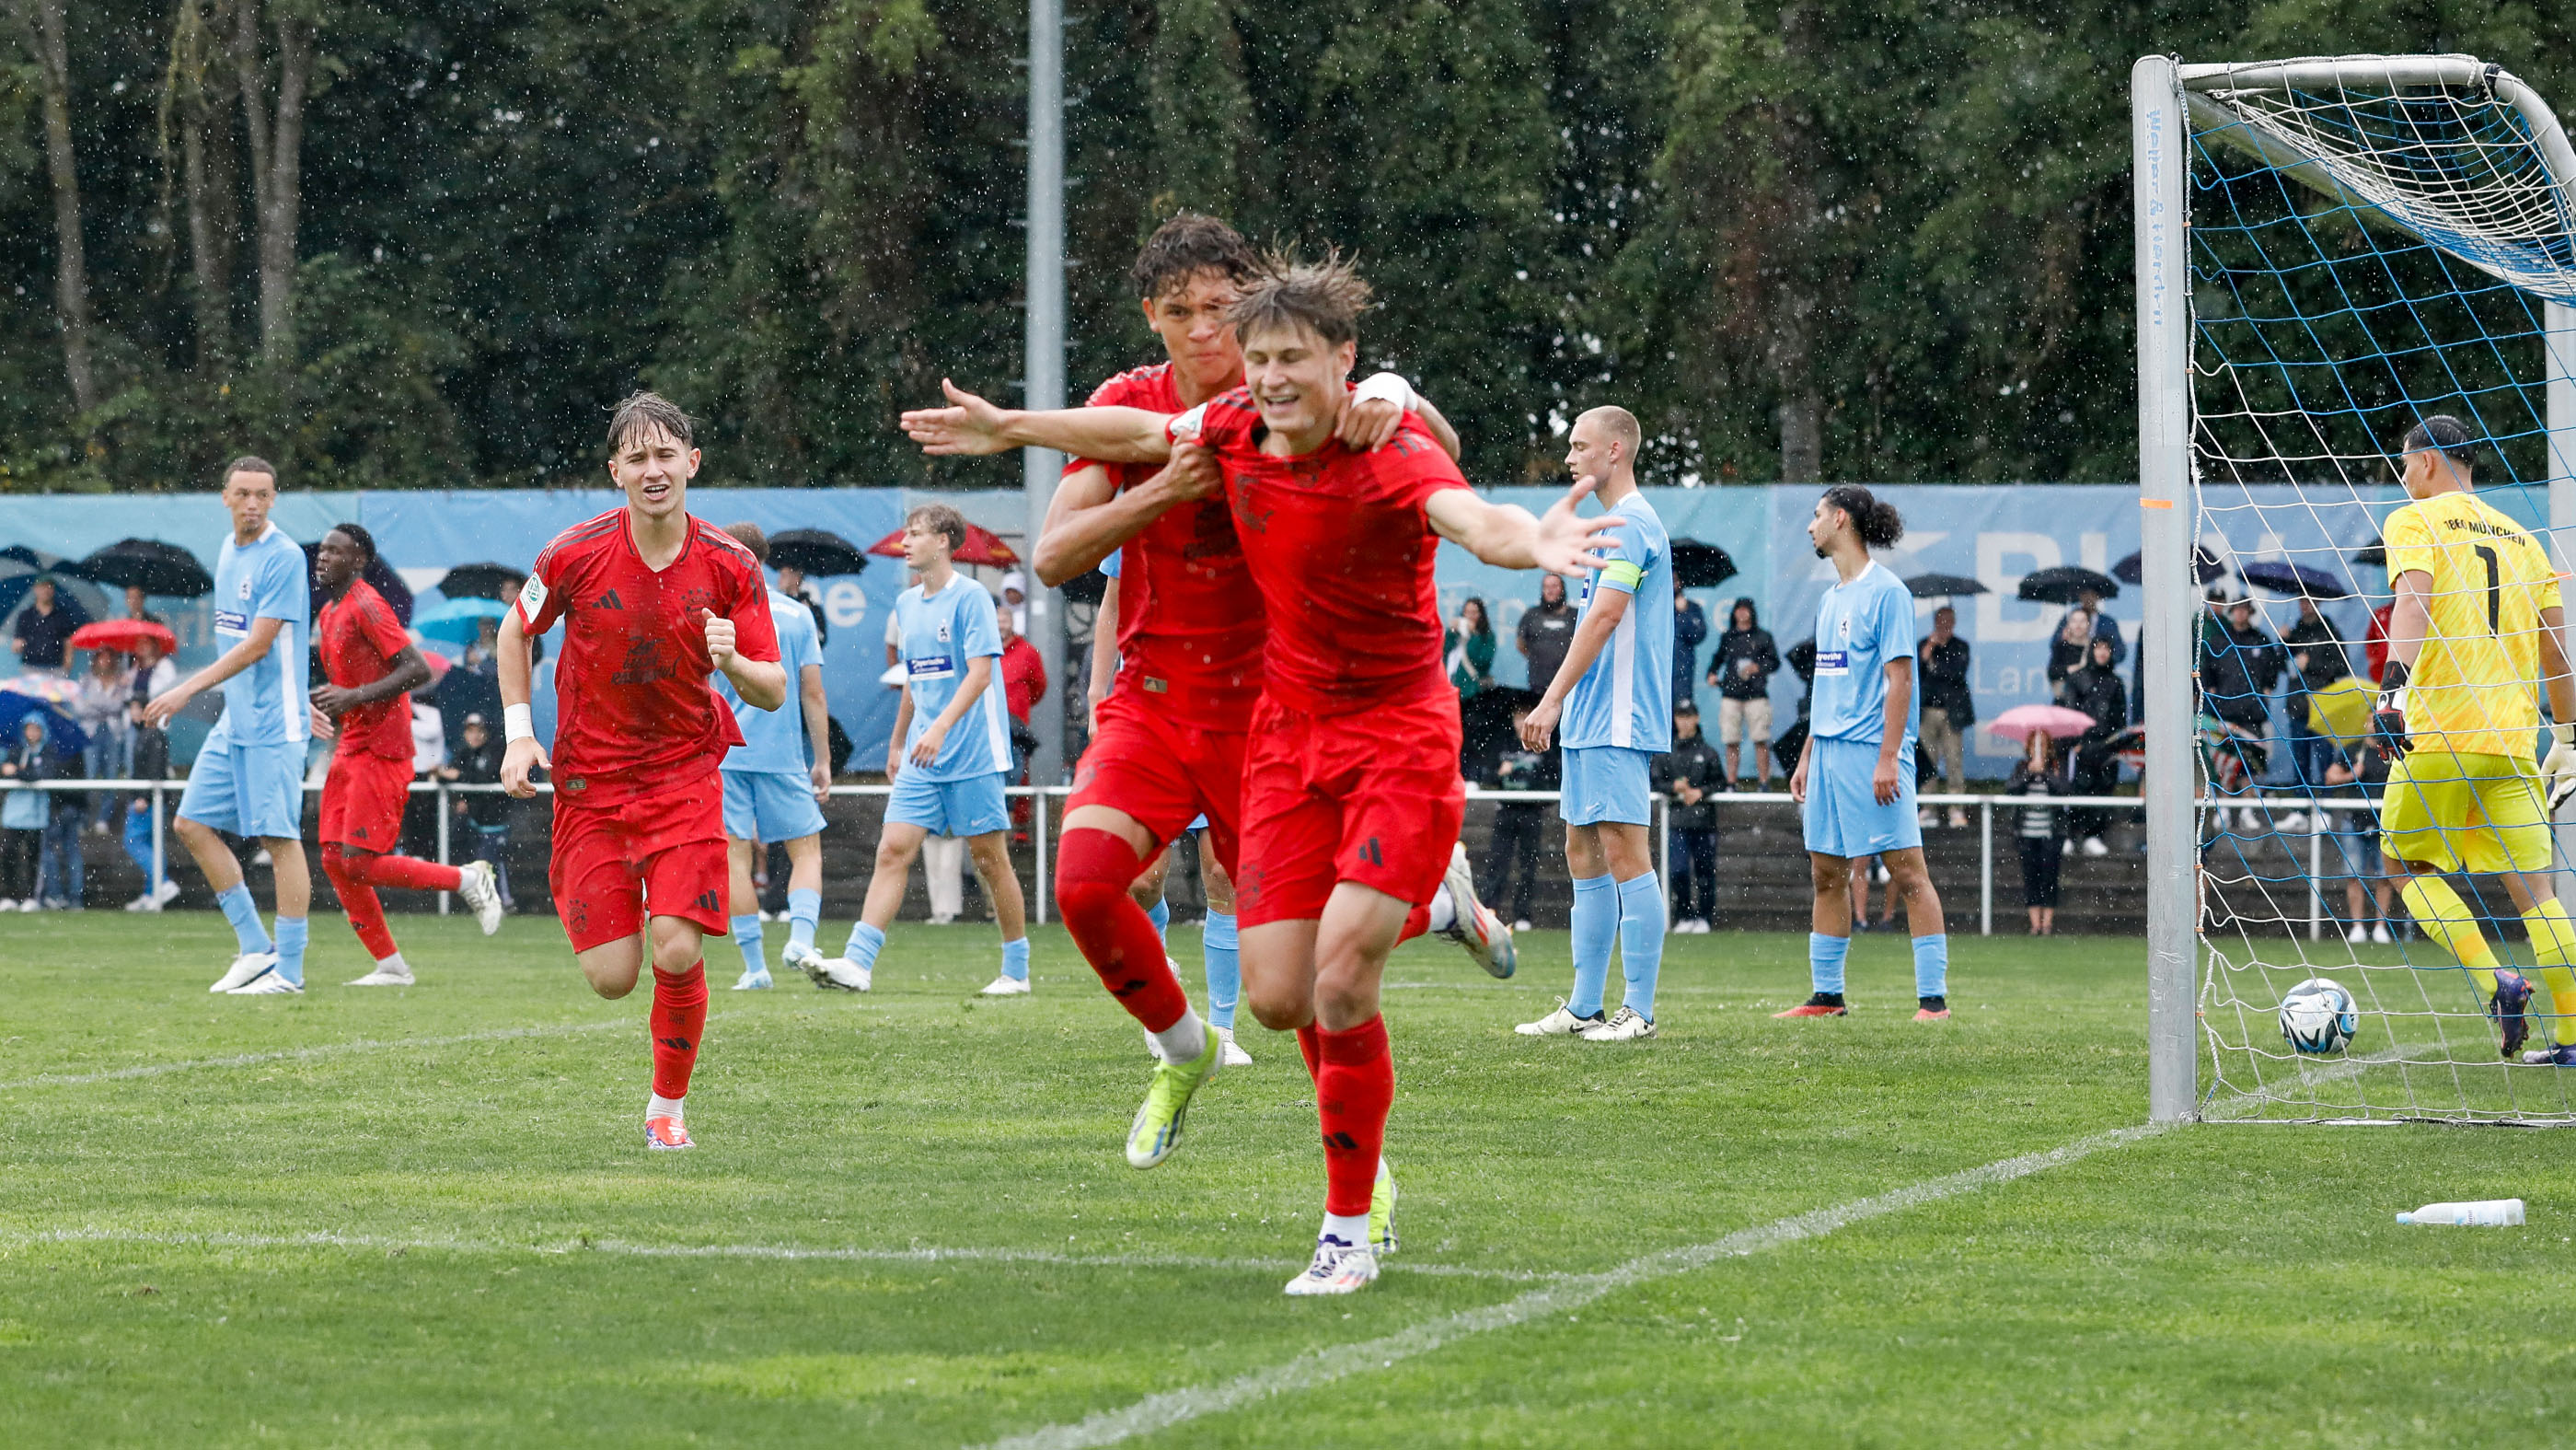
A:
{"x": 2329, "y": 250}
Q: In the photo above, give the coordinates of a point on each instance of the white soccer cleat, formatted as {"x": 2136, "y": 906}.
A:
{"x": 1230, "y": 1055}
{"x": 1560, "y": 1023}
{"x": 380, "y": 977}
{"x": 1006, "y": 985}
{"x": 839, "y": 974}
{"x": 1624, "y": 1026}
{"x": 482, "y": 892}
{"x": 797, "y": 955}
{"x": 247, "y": 967}
{"x": 753, "y": 982}
{"x": 2357, "y": 935}
{"x": 269, "y": 984}
{"x": 1339, "y": 1268}
{"x": 169, "y": 892}
{"x": 1487, "y": 940}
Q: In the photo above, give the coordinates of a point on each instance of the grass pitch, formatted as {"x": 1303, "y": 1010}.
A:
{"x": 426, "y": 1217}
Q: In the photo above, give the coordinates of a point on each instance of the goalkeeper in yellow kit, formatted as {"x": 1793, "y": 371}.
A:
{"x": 2475, "y": 634}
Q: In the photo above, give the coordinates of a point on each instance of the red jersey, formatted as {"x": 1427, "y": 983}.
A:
{"x": 634, "y": 713}
{"x": 1342, "y": 550}
{"x": 1190, "y": 624}
{"x": 359, "y": 638}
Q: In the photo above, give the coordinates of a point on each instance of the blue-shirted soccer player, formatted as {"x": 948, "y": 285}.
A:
{"x": 775, "y": 783}
{"x": 1613, "y": 698}
{"x": 1856, "y": 777}
{"x": 249, "y": 775}
{"x": 950, "y": 753}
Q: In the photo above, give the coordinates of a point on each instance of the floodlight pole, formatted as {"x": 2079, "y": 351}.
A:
{"x": 2160, "y": 146}
{"x": 1043, "y": 369}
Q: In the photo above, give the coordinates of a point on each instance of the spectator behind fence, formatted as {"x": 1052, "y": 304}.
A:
{"x": 1741, "y": 670}
{"x": 1468, "y": 650}
{"x": 2359, "y": 776}
{"x": 2039, "y": 830}
{"x": 1949, "y": 706}
{"x": 105, "y": 689}
{"x": 791, "y": 582}
{"x": 2097, "y": 690}
{"x": 2317, "y": 658}
{"x": 1519, "y": 826}
{"x": 1690, "y": 773}
{"x": 152, "y": 675}
{"x": 2067, "y": 651}
{"x": 477, "y": 761}
{"x": 22, "y": 816}
{"x": 44, "y": 630}
{"x": 2100, "y": 624}
{"x": 1546, "y": 631}
{"x": 1690, "y": 631}
{"x": 136, "y": 606}
{"x": 2238, "y": 664}
{"x": 63, "y": 868}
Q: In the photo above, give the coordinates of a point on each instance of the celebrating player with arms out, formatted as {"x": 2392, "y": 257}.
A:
{"x": 1351, "y": 797}
{"x": 371, "y": 666}
{"x": 652, "y": 601}
{"x": 2476, "y": 623}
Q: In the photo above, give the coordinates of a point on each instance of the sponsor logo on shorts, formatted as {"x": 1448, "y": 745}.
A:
{"x": 576, "y": 785}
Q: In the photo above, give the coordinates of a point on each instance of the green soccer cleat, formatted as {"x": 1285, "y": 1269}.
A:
{"x": 1157, "y": 1129}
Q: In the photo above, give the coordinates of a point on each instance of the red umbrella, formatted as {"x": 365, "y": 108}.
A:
{"x": 982, "y": 546}
{"x": 124, "y": 634}
{"x": 2023, "y": 721}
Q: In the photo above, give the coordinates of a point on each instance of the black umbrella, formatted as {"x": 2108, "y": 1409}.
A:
{"x": 2205, "y": 567}
{"x": 1700, "y": 566}
{"x": 2063, "y": 584}
{"x": 2284, "y": 578}
{"x": 153, "y": 566}
{"x": 818, "y": 552}
{"x": 378, "y": 573}
{"x": 36, "y": 559}
{"x": 1936, "y": 586}
{"x": 2374, "y": 554}
{"x": 482, "y": 581}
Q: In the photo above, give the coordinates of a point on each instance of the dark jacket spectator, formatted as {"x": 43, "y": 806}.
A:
{"x": 2067, "y": 651}
{"x": 2315, "y": 653}
{"x": 2239, "y": 664}
{"x": 1692, "y": 763}
{"x": 475, "y": 759}
{"x": 2098, "y": 691}
{"x": 44, "y": 629}
{"x": 1746, "y": 659}
{"x": 2103, "y": 625}
{"x": 1690, "y": 631}
{"x": 1546, "y": 631}
{"x": 1946, "y": 670}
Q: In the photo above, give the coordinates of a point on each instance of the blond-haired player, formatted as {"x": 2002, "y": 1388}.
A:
{"x": 2476, "y": 626}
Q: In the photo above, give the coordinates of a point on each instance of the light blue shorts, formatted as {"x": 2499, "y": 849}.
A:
{"x": 969, "y": 807}
{"x": 1843, "y": 815}
{"x": 1606, "y": 783}
{"x": 249, "y": 790}
{"x": 770, "y": 805}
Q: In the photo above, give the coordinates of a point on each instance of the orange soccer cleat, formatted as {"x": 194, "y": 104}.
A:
{"x": 666, "y": 1134}
{"x": 1822, "y": 1004}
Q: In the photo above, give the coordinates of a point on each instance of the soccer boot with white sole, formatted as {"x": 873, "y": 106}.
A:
{"x": 666, "y": 1135}
{"x": 1487, "y": 938}
{"x": 385, "y": 977}
{"x": 482, "y": 893}
{"x": 1381, "y": 1233}
{"x": 1560, "y": 1023}
{"x": 1157, "y": 1128}
{"x": 1233, "y": 1056}
{"x": 2508, "y": 1009}
{"x": 759, "y": 981}
{"x": 795, "y": 955}
{"x": 247, "y": 967}
{"x": 268, "y": 984}
{"x": 1625, "y": 1025}
{"x": 1006, "y": 985}
{"x": 1820, "y": 1004}
{"x": 1339, "y": 1268}
{"x": 838, "y": 974}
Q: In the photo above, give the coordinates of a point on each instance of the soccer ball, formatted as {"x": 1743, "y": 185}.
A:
{"x": 2318, "y": 1017}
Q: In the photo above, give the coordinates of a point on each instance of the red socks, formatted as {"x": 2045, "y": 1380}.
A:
{"x": 1416, "y": 922}
{"x": 403, "y": 873}
{"x": 679, "y": 1016}
{"x": 358, "y": 901}
{"x": 1354, "y": 1087}
{"x": 1093, "y": 871}
{"x": 1310, "y": 1043}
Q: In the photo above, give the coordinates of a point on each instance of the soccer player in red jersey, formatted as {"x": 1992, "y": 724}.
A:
{"x": 369, "y": 667}
{"x": 1351, "y": 798}
{"x": 652, "y": 601}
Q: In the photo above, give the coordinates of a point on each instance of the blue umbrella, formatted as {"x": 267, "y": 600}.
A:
{"x": 46, "y": 695}
{"x": 458, "y": 621}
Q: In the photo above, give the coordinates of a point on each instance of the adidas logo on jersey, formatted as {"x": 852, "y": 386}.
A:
{"x": 610, "y": 600}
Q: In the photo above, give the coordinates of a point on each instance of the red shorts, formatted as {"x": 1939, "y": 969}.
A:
{"x": 1372, "y": 797}
{"x": 669, "y": 846}
{"x": 1165, "y": 774}
{"x": 362, "y": 801}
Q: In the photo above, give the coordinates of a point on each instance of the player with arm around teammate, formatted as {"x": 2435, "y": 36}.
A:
{"x": 776, "y": 781}
{"x": 1855, "y": 778}
{"x": 652, "y": 601}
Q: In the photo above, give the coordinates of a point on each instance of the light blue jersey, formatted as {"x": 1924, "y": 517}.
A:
{"x": 941, "y": 633}
{"x": 774, "y": 740}
{"x": 265, "y": 704}
{"x": 1626, "y": 698}
{"x": 1860, "y": 627}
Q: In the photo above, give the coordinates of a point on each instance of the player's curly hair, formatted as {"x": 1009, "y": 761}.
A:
{"x": 940, "y": 518}
{"x": 1326, "y": 297}
{"x": 1185, "y": 246}
{"x": 1878, "y": 524}
{"x": 2446, "y": 433}
{"x": 359, "y": 536}
{"x": 648, "y": 412}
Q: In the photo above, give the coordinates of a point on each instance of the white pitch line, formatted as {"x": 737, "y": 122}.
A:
{"x": 790, "y": 1253}
{"x": 304, "y": 1054}
{"x": 1323, "y": 1366}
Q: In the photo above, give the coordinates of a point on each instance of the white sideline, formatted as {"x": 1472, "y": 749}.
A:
{"x": 1323, "y": 1366}
{"x": 793, "y": 1253}
{"x": 301, "y": 1054}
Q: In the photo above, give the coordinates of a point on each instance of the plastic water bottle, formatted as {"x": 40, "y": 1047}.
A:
{"x": 2485, "y": 1213}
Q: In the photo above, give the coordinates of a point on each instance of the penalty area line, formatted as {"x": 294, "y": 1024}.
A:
{"x": 1324, "y": 1366}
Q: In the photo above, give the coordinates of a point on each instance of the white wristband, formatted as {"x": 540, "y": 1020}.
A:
{"x": 1390, "y": 386}
{"x": 517, "y": 723}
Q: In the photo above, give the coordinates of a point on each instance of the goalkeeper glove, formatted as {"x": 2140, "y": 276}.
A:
{"x": 2388, "y": 715}
{"x": 2558, "y": 771}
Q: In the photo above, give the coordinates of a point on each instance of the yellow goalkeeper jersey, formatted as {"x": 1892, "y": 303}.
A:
{"x": 2475, "y": 688}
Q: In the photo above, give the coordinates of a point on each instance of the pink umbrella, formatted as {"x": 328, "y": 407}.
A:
{"x": 2023, "y": 721}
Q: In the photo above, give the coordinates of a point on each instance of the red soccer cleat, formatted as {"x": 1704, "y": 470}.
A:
{"x": 666, "y": 1134}
{"x": 1931, "y": 1009}
{"x": 1822, "y": 1004}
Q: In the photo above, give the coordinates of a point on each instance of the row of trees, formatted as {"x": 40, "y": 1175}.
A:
{"x": 426, "y": 244}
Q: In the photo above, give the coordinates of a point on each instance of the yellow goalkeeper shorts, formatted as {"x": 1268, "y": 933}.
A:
{"x": 2465, "y": 813}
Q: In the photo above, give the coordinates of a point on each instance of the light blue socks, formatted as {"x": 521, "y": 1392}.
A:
{"x": 1825, "y": 956}
{"x": 746, "y": 935}
{"x": 243, "y": 913}
{"x": 290, "y": 948}
{"x": 1224, "y": 967}
{"x": 1015, "y": 959}
{"x": 1641, "y": 940}
{"x": 1596, "y": 930}
{"x": 1932, "y": 965}
{"x": 865, "y": 942}
{"x": 1160, "y": 914}
{"x": 804, "y": 909}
